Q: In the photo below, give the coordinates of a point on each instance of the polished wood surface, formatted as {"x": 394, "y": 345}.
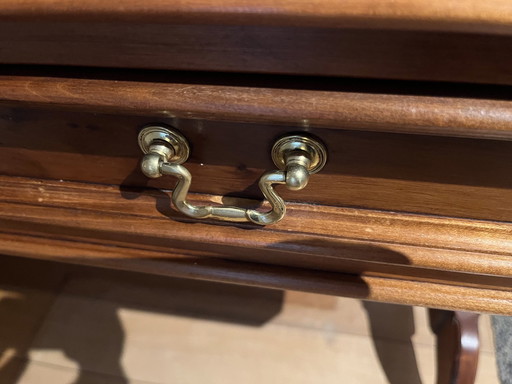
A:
{"x": 412, "y": 208}
{"x": 77, "y": 129}
{"x": 309, "y": 236}
{"x": 397, "y": 155}
{"x": 451, "y": 15}
{"x": 389, "y": 290}
{"x": 453, "y": 110}
{"x": 409, "y": 162}
{"x": 445, "y": 264}
{"x": 475, "y": 54}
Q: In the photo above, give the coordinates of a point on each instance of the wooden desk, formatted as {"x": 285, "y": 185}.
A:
{"x": 411, "y": 100}
{"x": 417, "y": 218}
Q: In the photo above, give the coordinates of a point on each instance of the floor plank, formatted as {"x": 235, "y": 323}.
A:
{"x": 64, "y": 324}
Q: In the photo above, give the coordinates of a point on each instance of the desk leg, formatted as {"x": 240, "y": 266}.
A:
{"x": 457, "y": 345}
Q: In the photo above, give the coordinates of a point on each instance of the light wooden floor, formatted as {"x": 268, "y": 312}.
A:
{"x": 61, "y": 324}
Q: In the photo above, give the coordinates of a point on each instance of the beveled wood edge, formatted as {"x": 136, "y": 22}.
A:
{"x": 303, "y": 109}
{"x": 214, "y": 269}
{"x": 321, "y": 233}
{"x": 492, "y": 16}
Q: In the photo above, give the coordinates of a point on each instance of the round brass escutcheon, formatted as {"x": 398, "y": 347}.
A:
{"x": 313, "y": 149}
{"x": 154, "y": 135}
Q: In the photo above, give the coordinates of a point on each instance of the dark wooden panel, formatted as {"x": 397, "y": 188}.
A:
{"x": 366, "y": 53}
{"x": 412, "y": 173}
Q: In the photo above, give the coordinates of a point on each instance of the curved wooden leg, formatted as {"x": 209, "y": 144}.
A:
{"x": 457, "y": 345}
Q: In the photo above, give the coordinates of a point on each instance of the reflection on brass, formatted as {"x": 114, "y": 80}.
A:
{"x": 296, "y": 156}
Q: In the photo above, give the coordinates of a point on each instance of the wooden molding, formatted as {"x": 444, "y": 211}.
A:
{"x": 190, "y": 96}
{"x": 451, "y": 256}
{"x": 380, "y": 157}
{"x": 384, "y": 289}
{"x": 450, "y": 15}
{"x": 452, "y": 49}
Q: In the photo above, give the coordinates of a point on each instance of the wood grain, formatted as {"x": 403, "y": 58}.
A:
{"x": 86, "y": 130}
{"x": 451, "y": 15}
{"x": 454, "y": 251}
{"x": 344, "y": 105}
{"x": 348, "y": 52}
{"x": 436, "y": 262}
{"x": 442, "y": 153}
{"x": 388, "y": 290}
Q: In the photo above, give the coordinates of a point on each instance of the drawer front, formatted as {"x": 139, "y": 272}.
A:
{"x": 457, "y": 177}
{"x": 386, "y": 219}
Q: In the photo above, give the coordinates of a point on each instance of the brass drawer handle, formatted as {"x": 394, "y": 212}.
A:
{"x": 296, "y": 156}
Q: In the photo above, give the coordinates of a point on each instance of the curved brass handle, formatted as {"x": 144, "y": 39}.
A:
{"x": 297, "y": 156}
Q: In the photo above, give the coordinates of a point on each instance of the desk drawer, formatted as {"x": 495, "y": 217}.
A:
{"x": 432, "y": 155}
{"x": 404, "y": 175}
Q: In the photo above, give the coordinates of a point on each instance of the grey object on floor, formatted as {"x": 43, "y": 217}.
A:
{"x": 502, "y": 327}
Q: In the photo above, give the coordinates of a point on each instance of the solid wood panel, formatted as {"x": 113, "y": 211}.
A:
{"x": 362, "y": 53}
{"x": 409, "y": 173}
{"x": 341, "y": 104}
{"x": 458, "y": 15}
{"x": 408, "y": 292}
{"x": 467, "y": 252}
{"x": 485, "y": 237}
